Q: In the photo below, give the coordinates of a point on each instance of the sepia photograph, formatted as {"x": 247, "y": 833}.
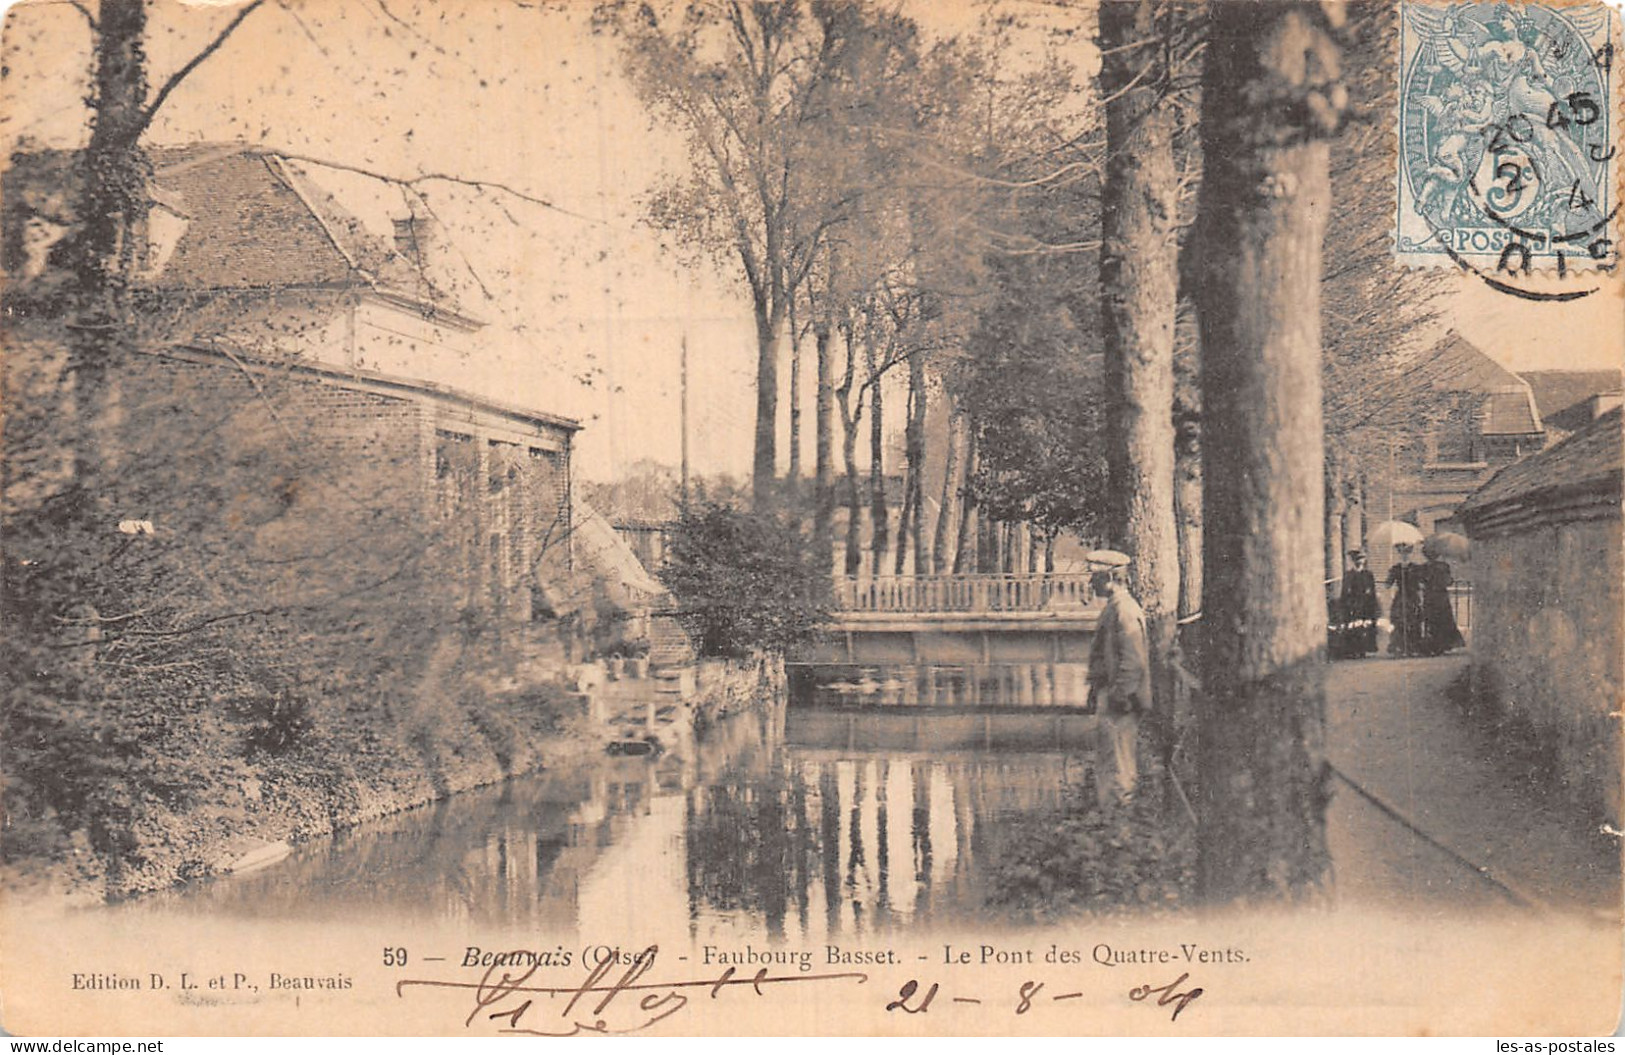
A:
{"x": 811, "y": 518}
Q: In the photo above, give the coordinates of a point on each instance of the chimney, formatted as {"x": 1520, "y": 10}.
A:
{"x": 408, "y": 232}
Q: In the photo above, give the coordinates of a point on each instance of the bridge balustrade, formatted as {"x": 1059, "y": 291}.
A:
{"x": 1033, "y": 592}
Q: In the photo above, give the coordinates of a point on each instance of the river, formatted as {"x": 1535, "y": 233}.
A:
{"x": 872, "y": 799}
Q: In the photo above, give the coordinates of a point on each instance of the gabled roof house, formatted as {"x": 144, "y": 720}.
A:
{"x": 345, "y": 286}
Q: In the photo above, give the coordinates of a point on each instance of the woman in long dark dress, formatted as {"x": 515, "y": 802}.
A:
{"x": 1359, "y": 607}
{"x": 1439, "y": 631}
{"x": 1406, "y": 611}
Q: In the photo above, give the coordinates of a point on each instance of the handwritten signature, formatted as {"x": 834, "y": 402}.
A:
{"x": 626, "y": 1005}
{"x": 604, "y": 1004}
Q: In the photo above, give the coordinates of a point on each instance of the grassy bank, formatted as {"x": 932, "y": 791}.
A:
{"x": 182, "y": 794}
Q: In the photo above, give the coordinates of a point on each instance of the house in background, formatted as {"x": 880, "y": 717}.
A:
{"x": 341, "y": 293}
{"x": 1452, "y": 420}
{"x": 1569, "y": 400}
{"x": 1547, "y": 646}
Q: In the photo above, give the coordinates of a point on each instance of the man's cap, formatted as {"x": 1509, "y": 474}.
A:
{"x": 1106, "y": 559}
{"x": 1356, "y": 552}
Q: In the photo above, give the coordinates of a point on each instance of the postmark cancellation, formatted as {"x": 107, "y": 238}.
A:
{"x": 1508, "y": 154}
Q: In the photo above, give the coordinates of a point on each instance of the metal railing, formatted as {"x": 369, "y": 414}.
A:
{"x": 1461, "y": 604}
{"x": 1033, "y": 592}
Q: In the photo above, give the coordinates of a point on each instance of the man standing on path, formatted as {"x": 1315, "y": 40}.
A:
{"x": 1119, "y": 674}
{"x": 1360, "y": 608}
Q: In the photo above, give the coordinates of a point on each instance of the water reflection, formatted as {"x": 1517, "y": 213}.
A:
{"x": 778, "y": 820}
{"x": 1000, "y": 686}
{"x": 813, "y": 844}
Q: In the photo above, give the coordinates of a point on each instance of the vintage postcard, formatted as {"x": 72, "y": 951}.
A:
{"x": 553, "y": 518}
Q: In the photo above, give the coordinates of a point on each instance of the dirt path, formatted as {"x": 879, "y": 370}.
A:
{"x": 1393, "y": 730}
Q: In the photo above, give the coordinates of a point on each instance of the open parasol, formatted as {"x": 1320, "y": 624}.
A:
{"x": 1394, "y": 533}
{"x": 1446, "y": 545}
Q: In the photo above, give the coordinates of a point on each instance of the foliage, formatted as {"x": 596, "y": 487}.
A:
{"x": 297, "y": 582}
{"x": 645, "y": 490}
{"x": 774, "y": 101}
{"x": 744, "y": 580}
{"x": 1372, "y": 313}
{"x": 1031, "y": 382}
{"x": 1089, "y": 857}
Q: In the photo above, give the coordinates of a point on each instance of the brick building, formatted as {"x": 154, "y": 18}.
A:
{"x": 1455, "y": 418}
{"x": 286, "y": 296}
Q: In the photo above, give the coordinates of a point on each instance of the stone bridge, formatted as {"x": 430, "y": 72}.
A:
{"x": 1036, "y": 617}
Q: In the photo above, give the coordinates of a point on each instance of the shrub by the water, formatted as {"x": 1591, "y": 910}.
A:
{"x": 744, "y": 580}
{"x": 1094, "y": 857}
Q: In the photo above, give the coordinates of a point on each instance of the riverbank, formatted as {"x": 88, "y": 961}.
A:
{"x": 352, "y": 766}
{"x": 359, "y": 764}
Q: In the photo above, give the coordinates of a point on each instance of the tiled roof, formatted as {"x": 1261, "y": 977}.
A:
{"x": 1456, "y": 365}
{"x": 1589, "y": 462}
{"x": 1563, "y": 396}
{"x": 251, "y": 219}
{"x": 1510, "y": 412}
{"x": 246, "y": 227}
{"x": 1558, "y": 390}
{"x": 381, "y": 262}
{"x": 599, "y": 547}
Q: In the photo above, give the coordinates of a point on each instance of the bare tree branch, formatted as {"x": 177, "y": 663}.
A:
{"x": 472, "y": 270}
{"x": 196, "y": 60}
{"x": 414, "y": 31}
{"x": 306, "y": 28}
{"x": 83, "y": 10}
{"x": 485, "y": 184}
{"x": 440, "y": 177}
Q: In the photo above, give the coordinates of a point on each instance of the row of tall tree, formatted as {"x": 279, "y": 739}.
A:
{"x": 898, "y": 209}
{"x": 1284, "y": 238}
{"x": 1052, "y": 275}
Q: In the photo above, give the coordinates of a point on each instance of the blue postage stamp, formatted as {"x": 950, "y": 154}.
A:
{"x": 1507, "y": 152}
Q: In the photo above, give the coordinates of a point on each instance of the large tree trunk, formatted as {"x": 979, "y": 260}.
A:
{"x": 1270, "y": 97}
{"x": 950, "y": 481}
{"x": 904, "y": 521}
{"x": 103, "y": 253}
{"x": 1334, "y": 526}
{"x": 1139, "y": 296}
{"x": 764, "y": 460}
{"x": 823, "y": 454}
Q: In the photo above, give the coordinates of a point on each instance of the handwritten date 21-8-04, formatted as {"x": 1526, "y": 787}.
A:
{"x": 610, "y": 1000}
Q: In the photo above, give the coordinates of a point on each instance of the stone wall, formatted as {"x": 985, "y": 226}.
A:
{"x": 729, "y": 686}
{"x": 1547, "y": 649}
